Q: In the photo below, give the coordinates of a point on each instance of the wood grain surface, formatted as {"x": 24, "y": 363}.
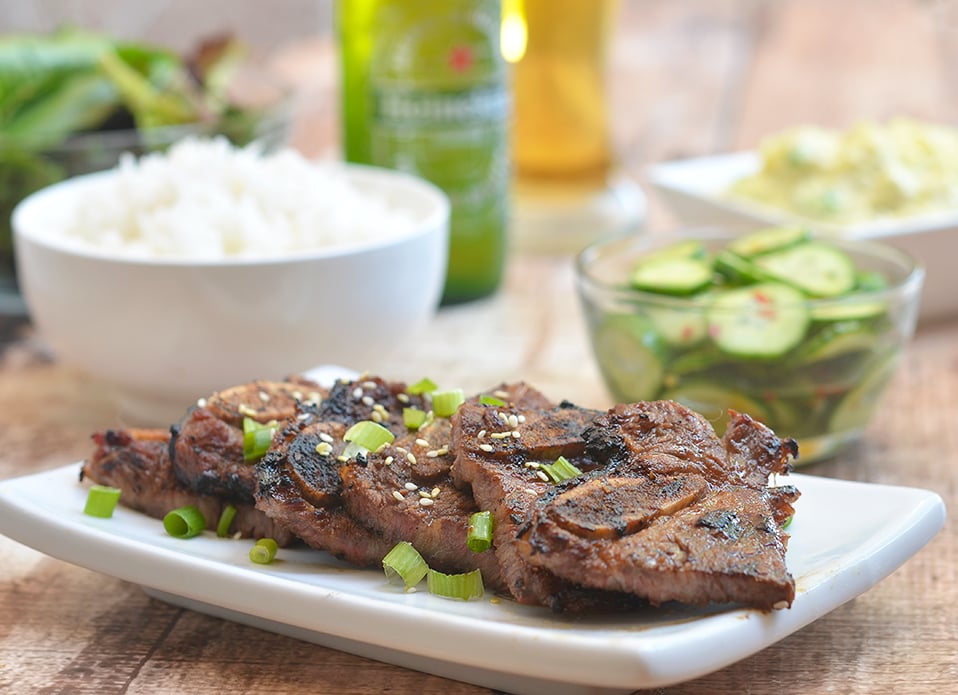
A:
{"x": 688, "y": 78}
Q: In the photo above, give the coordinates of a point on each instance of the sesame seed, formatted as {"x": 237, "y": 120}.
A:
{"x": 402, "y": 450}
{"x": 486, "y": 447}
{"x": 502, "y": 418}
{"x": 324, "y": 448}
{"x": 402, "y": 398}
{"x": 369, "y": 384}
{"x": 434, "y": 493}
{"x": 389, "y": 459}
{"x": 379, "y": 408}
{"x": 263, "y": 396}
{"x": 521, "y": 419}
{"x": 246, "y": 410}
{"x": 516, "y": 434}
{"x": 357, "y": 392}
{"x": 482, "y": 433}
{"x": 376, "y": 416}
{"x": 542, "y": 476}
{"x": 494, "y": 600}
{"x": 326, "y": 437}
{"x": 411, "y": 458}
{"x": 422, "y": 442}
{"x": 443, "y": 451}
{"x": 411, "y": 486}
{"x": 343, "y": 458}
{"x": 201, "y": 402}
{"x": 532, "y": 464}
{"x": 424, "y": 493}
{"x": 500, "y": 394}
{"x": 368, "y": 400}
{"x": 780, "y": 605}
{"x": 500, "y": 435}
{"x": 303, "y": 416}
{"x": 531, "y": 491}
{"x": 432, "y": 453}
{"x": 426, "y": 502}
{"x": 513, "y": 421}
{"x": 398, "y": 495}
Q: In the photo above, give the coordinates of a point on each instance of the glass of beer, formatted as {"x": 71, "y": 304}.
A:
{"x": 566, "y": 190}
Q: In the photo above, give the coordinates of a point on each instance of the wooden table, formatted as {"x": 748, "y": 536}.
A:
{"x": 688, "y": 78}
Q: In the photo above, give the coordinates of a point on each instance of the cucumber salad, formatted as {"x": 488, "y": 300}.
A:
{"x": 777, "y": 324}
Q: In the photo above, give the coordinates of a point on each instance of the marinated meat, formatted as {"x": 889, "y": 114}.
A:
{"x": 404, "y": 493}
{"x": 299, "y": 482}
{"x": 674, "y": 514}
{"x": 501, "y": 470}
{"x": 137, "y": 461}
{"x": 207, "y": 445}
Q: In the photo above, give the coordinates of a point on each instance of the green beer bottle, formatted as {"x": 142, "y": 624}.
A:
{"x": 424, "y": 90}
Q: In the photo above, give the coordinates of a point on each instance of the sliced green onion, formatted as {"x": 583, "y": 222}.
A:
{"x": 445, "y": 403}
{"x": 256, "y": 438}
{"x": 405, "y": 562}
{"x": 264, "y": 552}
{"x": 560, "y": 471}
{"x": 492, "y": 400}
{"x": 459, "y": 586}
{"x": 101, "y": 500}
{"x": 424, "y": 385}
{"x": 184, "y": 522}
{"x": 413, "y": 418}
{"x": 369, "y": 435}
{"x": 226, "y": 519}
{"x": 788, "y": 522}
{"x": 480, "y": 532}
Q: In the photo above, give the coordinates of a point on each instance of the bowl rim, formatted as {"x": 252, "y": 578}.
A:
{"x": 909, "y": 285}
{"x": 436, "y": 219}
{"x": 705, "y": 179}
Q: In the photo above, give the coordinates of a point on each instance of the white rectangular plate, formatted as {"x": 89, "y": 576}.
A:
{"x": 846, "y": 537}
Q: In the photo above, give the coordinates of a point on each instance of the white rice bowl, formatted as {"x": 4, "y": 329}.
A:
{"x": 173, "y": 276}
{"x": 208, "y": 200}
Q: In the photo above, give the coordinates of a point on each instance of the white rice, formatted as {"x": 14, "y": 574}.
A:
{"x": 205, "y": 199}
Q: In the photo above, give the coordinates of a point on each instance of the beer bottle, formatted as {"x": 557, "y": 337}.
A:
{"x": 424, "y": 90}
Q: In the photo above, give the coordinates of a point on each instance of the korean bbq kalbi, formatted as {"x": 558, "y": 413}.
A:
{"x": 591, "y": 510}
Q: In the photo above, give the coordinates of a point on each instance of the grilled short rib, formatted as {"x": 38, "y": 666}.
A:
{"x": 359, "y": 508}
{"x": 298, "y": 480}
{"x": 206, "y": 447}
{"x": 500, "y": 469}
{"x": 137, "y": 462}
{"x": 404, "y": 493}
{"x": 673, "y": 513}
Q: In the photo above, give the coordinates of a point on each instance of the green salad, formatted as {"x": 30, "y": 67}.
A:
{"x": 58, "y": 91}
{"x": 776, "y": 324}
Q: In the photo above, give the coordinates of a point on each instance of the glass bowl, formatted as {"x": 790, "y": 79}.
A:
{"x": 816, "y": 373}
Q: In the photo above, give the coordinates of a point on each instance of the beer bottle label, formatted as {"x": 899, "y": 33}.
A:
{"x": 440, "y": 107}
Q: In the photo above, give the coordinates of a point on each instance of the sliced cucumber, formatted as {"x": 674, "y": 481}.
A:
{"x": 713, "y": 401}
{"x": 736, "y": 269}
{"x": 763, "y": 321}
{"x": 849, "y": 310}
{"x": 672, "y": 275}
{"x": 630, "y": 354}
{"x": 836, "y": 340}
{"x": 767, "y": 240}
{"x": 689, "y": 248}
{"x": 815, "y": 268}
{"x": 679, "y": 327}
{"x": 855, "y": 409}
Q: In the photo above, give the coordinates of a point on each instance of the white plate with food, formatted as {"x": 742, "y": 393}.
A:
{"x": 697, "y": 191}
{"x": 845, "y": 537}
